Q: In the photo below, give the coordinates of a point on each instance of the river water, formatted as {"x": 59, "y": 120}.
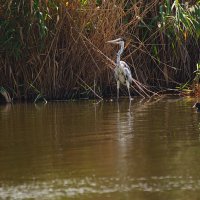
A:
{"x": 100, "y": 150}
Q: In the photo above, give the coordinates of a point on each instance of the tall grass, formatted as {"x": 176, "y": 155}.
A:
{"x": 58, "y": 47}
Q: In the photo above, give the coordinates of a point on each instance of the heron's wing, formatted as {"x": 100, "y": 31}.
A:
{"x": 124, "y": 64}
{"x": 128, "y": 74}
{"x": 123, "y": 73}
{"x": 127, "y": 71}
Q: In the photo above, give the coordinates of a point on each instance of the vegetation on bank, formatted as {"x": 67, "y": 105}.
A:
{"x": 56, "y": 48}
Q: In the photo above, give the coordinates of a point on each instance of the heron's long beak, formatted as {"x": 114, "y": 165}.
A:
{"x": 114, "y": 41}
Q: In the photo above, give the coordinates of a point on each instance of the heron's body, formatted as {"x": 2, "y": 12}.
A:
{"x": 122, "y": 71}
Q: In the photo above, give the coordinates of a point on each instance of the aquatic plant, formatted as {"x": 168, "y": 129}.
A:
{"x": 196, "y": 81}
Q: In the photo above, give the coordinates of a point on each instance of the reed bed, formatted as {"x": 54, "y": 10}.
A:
{"x": 58, "y": 48}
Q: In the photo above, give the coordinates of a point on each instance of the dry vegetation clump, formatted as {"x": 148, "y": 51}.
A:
{"x": 58, "y": 48}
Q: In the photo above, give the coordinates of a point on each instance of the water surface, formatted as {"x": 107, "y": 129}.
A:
{"x": 107, "y": 150}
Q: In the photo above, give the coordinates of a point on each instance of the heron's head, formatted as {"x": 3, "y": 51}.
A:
{"x": 116, "y": 41}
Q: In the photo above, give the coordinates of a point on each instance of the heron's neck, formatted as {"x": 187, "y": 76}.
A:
{"x": 119, "y": 53}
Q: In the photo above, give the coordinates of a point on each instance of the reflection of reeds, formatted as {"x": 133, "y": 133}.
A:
{"x": 59, "y": 47}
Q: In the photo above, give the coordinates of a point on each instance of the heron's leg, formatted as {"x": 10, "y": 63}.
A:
{"x": 128, "y": 87}
{"x": 118, "y": 85}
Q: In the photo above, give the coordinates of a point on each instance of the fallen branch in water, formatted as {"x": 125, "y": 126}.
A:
{"x": 90, "y": 88}
{"x": 5, "y": 94}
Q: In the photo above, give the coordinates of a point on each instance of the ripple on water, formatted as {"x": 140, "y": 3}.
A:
{"x": 90, "y": 186}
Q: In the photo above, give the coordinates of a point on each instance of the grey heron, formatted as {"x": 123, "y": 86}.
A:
{"x": 122, "y": 71}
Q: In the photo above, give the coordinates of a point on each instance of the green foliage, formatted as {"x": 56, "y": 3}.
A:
{"x": 184, "y": 87}
{"x": 197, "y": 73}
{"x": 21, "y": 18}
{"x": 84, "y": 2}
{"x": 180, "y": 19}
{"x": 195, "y": 11}
{"x": 10, "y": 38}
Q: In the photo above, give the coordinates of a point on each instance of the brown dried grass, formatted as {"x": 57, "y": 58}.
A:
{"x": 76, "y": 61}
